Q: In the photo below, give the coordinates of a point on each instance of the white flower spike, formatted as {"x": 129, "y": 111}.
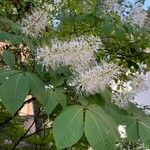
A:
{"x": 96, "y": 79}
{"x": 76, "y": 53}
{"x": 34, "y": 24}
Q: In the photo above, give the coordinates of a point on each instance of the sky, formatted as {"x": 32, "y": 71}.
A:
{"x": 146, "y": 5}
{"x": 143, "y": 98}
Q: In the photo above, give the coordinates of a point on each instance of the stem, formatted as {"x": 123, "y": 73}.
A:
{"x": 24, "y": 135}
{"x": 17, "y": 112}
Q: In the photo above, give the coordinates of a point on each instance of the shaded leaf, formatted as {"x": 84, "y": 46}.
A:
{"x": 107, "y": 28}
{"x": 120, "y": 32}
{"x": 61, "y": 97}
{"x": 144, "y": 132}
{"x": 14, "y": 91}
{"x": 51, "y": 101}
{"x": 9, "y": 57}
{"x": 4, "y": 74}
{"x": 37, "y": 87}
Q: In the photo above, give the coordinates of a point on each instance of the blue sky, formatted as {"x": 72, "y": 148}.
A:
{"x": 147, "y": 3}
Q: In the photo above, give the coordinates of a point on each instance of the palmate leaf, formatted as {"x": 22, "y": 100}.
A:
{"x": 49, "y": 98}
{"x": 37, "y": 87}
{"x": 16, "y": 39}
{"x": 13, "y": 91}
{"x": 15, "y": 86}
{"x": 9, "y": 57}
{"x": 132, "y": 129}
{"x": 121, "y": 117}
{"x": 144, "y": 132}
{"x": 68, "y": 127}
{"x": 55, "y": 96}
{"x": 107, "y": 28}
{"x": 139, "y": 129}
{"x": 4, "y": 74}
{"x": 100, "y": 130}
{"x": 51, "y": 102}
{"x": 120, "y": 32}
{"x": 7, "y": 25}
{"x": 61, "y": 97}
{"x": 137, "y": 125}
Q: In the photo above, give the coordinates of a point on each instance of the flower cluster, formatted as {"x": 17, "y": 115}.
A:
{"x": 121, "y": 99}
{"x": 79, "y": 55}
{"x": 96, "y": 79}
{"x": 137, "y": 15}
{"x": 113, "y": 6}
{"x": 76, "y": 53}
{"x": 122, "y": 131}
{"x": 147, "y": 50}
{"x": 34, "y": 24}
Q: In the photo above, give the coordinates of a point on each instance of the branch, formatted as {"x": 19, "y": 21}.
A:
{"x": 36, "y": 132}
{"x": 17, "y": 112}
{"x": 24, "y": 135}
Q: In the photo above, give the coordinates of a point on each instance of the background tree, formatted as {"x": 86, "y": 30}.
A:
{"x": 82, "y": 63}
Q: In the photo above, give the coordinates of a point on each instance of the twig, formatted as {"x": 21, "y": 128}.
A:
{"x": 36, "y": 132}
{"x": 17, "y": 112}
{"x": 24, "y": 135}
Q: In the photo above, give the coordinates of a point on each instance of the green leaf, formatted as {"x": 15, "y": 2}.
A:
{"x": 57, "y": 81}
{"x": 51, "y": 101}
{"x": 4, "y": 74}
{"x": 132, "y": 129}
{"x": 100, "y": 130}
{"x": 61, "y": 97}
{"x": 120, "y": 32}
{"x": 107, "y": 28}
{"x": 139, "y": 129}
{"x": 139, "y": 126}
{"x": 28, "y": 42}
{"x": 7, "y": 24}
{"x": 14, "y": 39}
{"x": 14, "y": 91}
{"x": 9, "y": 58}
{"x": 121, "y": 117}
{"x": 83, "y": 101}
{"x": 68, "y": 126}
{"x": 37, "y": 87}
{"x": 144, "y": 132}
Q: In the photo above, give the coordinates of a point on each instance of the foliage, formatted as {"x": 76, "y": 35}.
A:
{"x": 70, "y": 118}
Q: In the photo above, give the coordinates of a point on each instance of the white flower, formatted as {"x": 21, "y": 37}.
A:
{"x": 122, "y": 131}
{"x": 147, "y": 50}
{"x": 121, "y": 99}
{"x": 140, "y": 83}
{"x": 113, "y": 6}
{"x": 34, "y": 24}
{"x": 127, "y": 92}
{"x": 96, "y": 78}
{"x": 78, "y": 53}
{"x": 137, "y": 15}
